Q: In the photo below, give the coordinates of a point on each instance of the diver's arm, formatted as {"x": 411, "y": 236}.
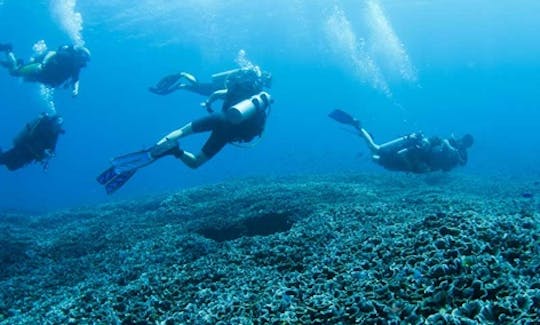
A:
{"x": 460, "y": 156}
{"x": 369, "y": 140}
{"x": 47, "y": 57}
{"x": 75, "y": 87}
{"x": 446, "y": 146}
{"x": 74, "y": 82}
{"x": 11, "y": 62}
{"x": 218, "y": 94}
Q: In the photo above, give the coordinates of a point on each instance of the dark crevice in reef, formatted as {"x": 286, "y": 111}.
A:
{"x": 263, "y": 225}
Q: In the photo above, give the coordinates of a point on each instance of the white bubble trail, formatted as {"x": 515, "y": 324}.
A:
{"x": 69, "y": 19}
{"x": 385, "y": 43}
{"x": 39, "y": 48}
{"x": 352, "y": 50}
{"x": 47, "y": 95}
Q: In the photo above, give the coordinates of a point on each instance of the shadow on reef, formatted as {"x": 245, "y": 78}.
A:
{"x": 264, "y": 225}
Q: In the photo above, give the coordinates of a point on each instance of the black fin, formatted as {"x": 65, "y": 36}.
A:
{"x": 344, "y": 117}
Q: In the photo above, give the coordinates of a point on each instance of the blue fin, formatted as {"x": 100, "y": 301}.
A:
{"x": 106, "y": 176}
{"x": 132, "y": 161}
{"x": 123, "y": 167}
{"x": 113, "y": 179}
{"x": 118, "y": 181}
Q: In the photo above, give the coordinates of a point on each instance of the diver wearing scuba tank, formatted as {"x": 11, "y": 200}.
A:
{"x": 52, "y": 69}
{"x": 187, "y": 81}
{"x": 241, "y": 119}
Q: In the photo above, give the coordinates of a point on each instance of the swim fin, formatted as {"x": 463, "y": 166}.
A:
{"x": 133, "y": 161}
{"x": 165, "y": 85}
{"x": 345, "y": 118}
{"x": 123, "y": 167}
{"x": 113, "y": 179}
{"x": 139, "y": 159}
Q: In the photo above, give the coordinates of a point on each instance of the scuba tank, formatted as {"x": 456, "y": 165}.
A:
{"x": 247, "y": 108}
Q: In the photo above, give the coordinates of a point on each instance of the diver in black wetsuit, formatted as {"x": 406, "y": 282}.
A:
{"x": 187, "y": 81}
{"x": 242, "y": 118}
{"x": 53, "y": 69}
{"x": 36, "y": 142}
{"x": 414, "y": 152}
{"x": 240, "y": 86}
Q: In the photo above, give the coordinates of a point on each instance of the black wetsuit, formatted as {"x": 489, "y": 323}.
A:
{"x": 442, "y": 157}
{"x": 423, "y": 156}
{"x": 202, "y": 88}
{"x": 35, "y": 142}
{"x": 62, "y": 67}
{"x": 223, "y": 131}
{"x": 413, "y": 160}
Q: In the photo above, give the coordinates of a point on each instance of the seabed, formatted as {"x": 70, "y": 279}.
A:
{"x": 333, "y": 249}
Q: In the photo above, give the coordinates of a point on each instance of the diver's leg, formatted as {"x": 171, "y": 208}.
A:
{"x": 11, "y": 62}
{"x": 401, "y": 142}
{"x": 213, "y": 145}
{"x": 164, "y": 145}
{"x": 177, "y": 134}
{"x": 193, "y": 161}
{"x": 30, "y": 72}
{"x": 205, "y": 124}
{"x": 16, "y": 158}
{"x": 217, "y": 140}
{"x": 369, "y": 141}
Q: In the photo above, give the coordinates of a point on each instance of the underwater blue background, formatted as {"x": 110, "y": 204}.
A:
{"x": 441, "y": 67}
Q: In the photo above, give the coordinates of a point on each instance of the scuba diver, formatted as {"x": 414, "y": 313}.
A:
{"x": 414, "y": 152}
{"x": 241, "y": 119}
{"x": 36, "y": 142}
{"x": 187, "y": 81}
{"x": 53, "y": 68}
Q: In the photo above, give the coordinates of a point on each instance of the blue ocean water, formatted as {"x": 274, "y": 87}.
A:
{"x": 441, "y": 67}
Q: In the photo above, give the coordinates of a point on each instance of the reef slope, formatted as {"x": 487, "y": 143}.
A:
{"x": 366, "y": 249}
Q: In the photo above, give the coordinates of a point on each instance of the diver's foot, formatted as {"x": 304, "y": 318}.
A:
{"x": 169, "y": 147}
{"x": 6, "y": 47}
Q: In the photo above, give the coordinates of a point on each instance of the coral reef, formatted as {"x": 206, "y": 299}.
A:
{"x": 365, "y": 249}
